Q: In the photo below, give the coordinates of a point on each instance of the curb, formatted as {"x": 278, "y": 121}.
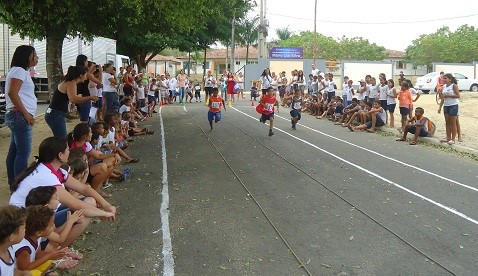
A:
{"x": 436, "y": 141}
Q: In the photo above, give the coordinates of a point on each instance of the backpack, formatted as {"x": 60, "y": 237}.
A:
{"x": 431, "y": 127}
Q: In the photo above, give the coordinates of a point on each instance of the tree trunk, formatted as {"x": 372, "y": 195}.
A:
{"x": 204, "y": 67}
{"x": 54, "y": 69}
{"x": 247, "y": 53}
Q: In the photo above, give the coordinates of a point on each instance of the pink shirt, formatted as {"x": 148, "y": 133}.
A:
{"x": 181, "y": 80}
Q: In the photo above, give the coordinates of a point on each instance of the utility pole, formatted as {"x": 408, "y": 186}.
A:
{"x": 261, "y": 26}
{"x": 315, "y": 29}
{"x": 233, "y": 44}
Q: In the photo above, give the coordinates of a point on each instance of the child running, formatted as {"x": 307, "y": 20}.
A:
{"x": 216, "y": 103}
{"x": 266, "y": 108}
{"x": 296, "y": 105}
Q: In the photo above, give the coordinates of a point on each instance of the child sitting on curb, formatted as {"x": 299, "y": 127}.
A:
{"x": 418, "y": 125}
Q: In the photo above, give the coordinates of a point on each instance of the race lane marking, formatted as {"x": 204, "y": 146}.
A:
{"x": 168, "y": 259}
{"x": 449, "y": 209}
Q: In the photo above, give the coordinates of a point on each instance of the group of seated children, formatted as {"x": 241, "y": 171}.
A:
{"x": 53, "y": 200}
{"x": 370, "y": 112}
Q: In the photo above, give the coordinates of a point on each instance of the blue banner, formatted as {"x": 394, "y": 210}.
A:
{"x": 286, "y": 53}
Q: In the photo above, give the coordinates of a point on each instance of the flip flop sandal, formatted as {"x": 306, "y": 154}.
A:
{"x": 64, "y": 264}
{"x": 134, "y": 160}
{"x": 75, "y": 255}
{"x": 413, "y": 143}
{"x": 351, "y": 128}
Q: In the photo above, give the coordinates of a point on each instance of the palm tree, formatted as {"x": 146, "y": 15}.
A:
{"x": 248, "y": 33}
{"x": 284, "y": 33}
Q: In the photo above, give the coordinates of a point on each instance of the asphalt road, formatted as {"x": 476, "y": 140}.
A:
{"x": 319, "y": 200}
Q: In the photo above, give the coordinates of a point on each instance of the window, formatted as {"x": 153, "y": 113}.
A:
{"x": 401, "y": 65}
{"x": 459, "y": 76}
{"x": 238, "y": 63}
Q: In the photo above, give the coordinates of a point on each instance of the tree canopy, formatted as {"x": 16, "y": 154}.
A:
{"x": 460, "y": 46}
{"x": 320, "y": 46}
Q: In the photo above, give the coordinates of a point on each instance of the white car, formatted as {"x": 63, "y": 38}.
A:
{"x": 429, "y": 82}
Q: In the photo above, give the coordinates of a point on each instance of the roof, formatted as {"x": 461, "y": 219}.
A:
{"x": 395, "y": 54}
{"x": 165, "y": 58}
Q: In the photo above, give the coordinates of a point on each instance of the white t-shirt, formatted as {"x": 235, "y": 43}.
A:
{"x": 266, "y": 81}
{"x": 140, "y": 93}
{"x": 107, "y": 87}
{"x": 26, "y": 92}
{"x": 413, "y": 91}
{"x": 448, "y": 90}
{"x": 382, "y": 114}
{"x": 372, "y": 91}
{"x": 350, "y": 94}
{"x": 315, "y": 72}
{"x": 41, "y": 176}
{"x": 391, "y": 98}
{"x": 383, "y": 92}
{"x": 152, "y": 89}
{"x": 173, "y": 83}
{"x": 28, "y": 245}
{"x": 124, "y": 108}
{"x": 8, "y": 268}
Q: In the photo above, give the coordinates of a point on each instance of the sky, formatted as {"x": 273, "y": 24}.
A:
{"x": 391, "y": 24}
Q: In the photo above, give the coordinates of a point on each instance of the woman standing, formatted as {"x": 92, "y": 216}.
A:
{"x": 266, "y": 80}
{"x": 21, "y": 105}
{"x": 82, "y": 88}
{"x": 181, "y": 85}
{"x": 450, "y": 96}
{"x": 128, "y": 82}
{"x": 230, "y": 82}
{"x": 240, "y": 84}
{"x": 66, "y": 92}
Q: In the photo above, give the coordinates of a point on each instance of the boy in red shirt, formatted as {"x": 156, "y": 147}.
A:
{"x": 215, "y": 105}
{"x": 266, "y": 108}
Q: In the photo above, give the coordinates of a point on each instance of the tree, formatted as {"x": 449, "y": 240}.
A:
{"x": 444, "y": 45}
{"x": 345, "y": 48}
{"x": 283, "y": 33}
{"x": 248, "y": 33}
{"x": 53, "y": 20}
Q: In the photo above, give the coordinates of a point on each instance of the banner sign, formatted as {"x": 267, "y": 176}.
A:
{"x": 286, "y": 53}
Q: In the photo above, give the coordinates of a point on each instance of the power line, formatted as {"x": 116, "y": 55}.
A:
{"x": 375, "y": 23}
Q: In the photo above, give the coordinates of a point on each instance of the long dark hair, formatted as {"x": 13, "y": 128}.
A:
{"x": 79, "y": 131}
{"x": 74, "y": 72}
{"x": 80, "y": 60}
{"x": 47, "y": 152}
{"x": 21, "y": 57}
{"x": 264, "y": 73}
{"x": 451, "y": 77}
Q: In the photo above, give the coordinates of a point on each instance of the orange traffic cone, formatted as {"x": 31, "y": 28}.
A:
{"x": 252, "y": 103}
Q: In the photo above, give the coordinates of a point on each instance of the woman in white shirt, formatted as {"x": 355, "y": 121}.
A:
{"x": 109, "y": 87}
{"x": 266, "y": 80}
{"x": 21, "y": 105}
{"x": 450, "y": 96}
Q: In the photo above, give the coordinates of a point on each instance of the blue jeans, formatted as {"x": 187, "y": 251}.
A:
{"x": 182, "y": 90}
{"x": 111, "y": 100}
{"x": 20, "y": 144}
{"x": 56, "y": 121}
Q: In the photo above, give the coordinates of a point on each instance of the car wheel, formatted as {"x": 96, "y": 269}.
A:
{"x": 426, "y": 91}
{"x": 474, "y": 88}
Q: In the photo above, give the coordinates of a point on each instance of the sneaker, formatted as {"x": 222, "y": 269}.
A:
{"x": 293, "y": 127}
{"x": 260, "y": 119}
{"x": 106, "y": 185}
{"x": 271, "y": 133}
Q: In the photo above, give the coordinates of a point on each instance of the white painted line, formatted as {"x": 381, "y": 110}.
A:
{"x": 449, "y": 209}
{"x": 389, "y": 158}
{"x": 168, "y": 259}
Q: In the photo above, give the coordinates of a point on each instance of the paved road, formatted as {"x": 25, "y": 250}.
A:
{"x": 319, "y": 200}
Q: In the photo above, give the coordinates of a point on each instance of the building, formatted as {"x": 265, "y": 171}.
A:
{"x": 163, "y": 64}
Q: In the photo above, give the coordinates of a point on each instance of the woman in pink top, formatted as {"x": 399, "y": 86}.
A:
{"x": 181, "y": 85}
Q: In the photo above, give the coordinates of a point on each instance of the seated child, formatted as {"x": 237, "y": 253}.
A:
{"x": 378, "y": 118}
{"x": 349, "y": 110}
{"x": 28, "y": 254}
{"x": 70, "y": 224}
{"x": 419, "y": 126}
{"x": 12, "y": 231}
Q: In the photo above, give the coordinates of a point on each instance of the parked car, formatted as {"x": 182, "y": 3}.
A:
{"x": 429, "y": 82}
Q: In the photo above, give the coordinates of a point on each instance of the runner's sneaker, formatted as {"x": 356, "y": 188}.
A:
{"x": 106, "y": 185}
{"x": 293, "y": 127}
{"x": 271, "y": 133}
